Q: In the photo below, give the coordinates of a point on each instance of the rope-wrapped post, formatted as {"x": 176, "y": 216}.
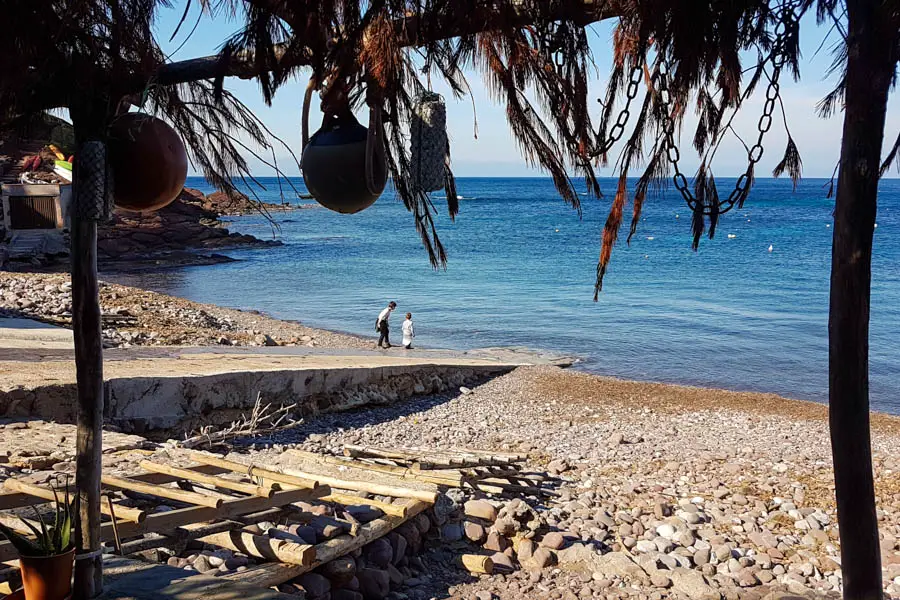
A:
{"x": 92, "y": 193}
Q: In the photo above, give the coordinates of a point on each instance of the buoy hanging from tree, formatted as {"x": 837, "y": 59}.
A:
{"x": 148, "y": 161}
{"x": 344, "y": 165}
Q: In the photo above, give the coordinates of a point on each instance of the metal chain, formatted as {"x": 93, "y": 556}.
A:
{"x": 618, "y": 128}
{"x": 787, "y": 20}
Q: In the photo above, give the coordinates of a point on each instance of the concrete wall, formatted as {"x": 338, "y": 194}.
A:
{"x": 141, "y": 404}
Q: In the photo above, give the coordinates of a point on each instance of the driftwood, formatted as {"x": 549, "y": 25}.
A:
{"x": 260, "y": 422}
{"x": 388, "y": 508}
{"x": 491, "y": 479}
{"x": 435, "y": 459}
{"x": 262, "y": 546}
{"x": 477, "y": 564}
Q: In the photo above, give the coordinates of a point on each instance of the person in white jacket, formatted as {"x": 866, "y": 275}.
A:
{"x": 409, "y": 332}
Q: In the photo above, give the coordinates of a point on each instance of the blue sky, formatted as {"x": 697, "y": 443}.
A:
{"x": 494, "y": 152}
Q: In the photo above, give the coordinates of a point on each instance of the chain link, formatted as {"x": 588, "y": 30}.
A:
{"x": 788, "y": 19}
{"x": 618, "y": 128}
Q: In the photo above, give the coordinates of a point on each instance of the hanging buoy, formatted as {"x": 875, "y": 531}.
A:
{"x": 429, "y": 145}
{"x": 335, "y": 168}
{"x": 148, "y": 162}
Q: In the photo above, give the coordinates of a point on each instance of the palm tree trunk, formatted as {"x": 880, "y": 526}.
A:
{"x": 869, "y": 70}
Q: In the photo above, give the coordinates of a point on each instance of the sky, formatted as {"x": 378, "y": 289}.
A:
{"x": 494, "y": 153}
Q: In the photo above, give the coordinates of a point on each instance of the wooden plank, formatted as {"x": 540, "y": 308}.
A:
{"x": 294, "y": 477}
{"x": 30, "y": 189}
{"x": 254, "y": 471}
{"x": 179, "y": 536}
{"x": 14, "y": 499}
{"x": 124, "y": 512}
{"x": 160, "y": 491}
{"x": 166, "y": 521}
{"x": 272, "y": 574}
{"x": 443, "y": 477}
{"x": 402, "y": 454}
{"x": 219, "y": 482}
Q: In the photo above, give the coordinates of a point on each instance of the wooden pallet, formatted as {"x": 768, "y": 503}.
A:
{"x": 221, "y": 510}
{"x": 225, "y": 506}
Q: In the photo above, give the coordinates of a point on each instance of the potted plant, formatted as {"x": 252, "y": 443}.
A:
{"x": 46, "y": 562}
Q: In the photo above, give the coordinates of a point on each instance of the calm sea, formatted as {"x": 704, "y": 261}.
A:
{"x": 735, "y": 315}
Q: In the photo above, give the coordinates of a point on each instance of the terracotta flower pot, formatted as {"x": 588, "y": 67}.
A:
{"x": 47, "y": 577}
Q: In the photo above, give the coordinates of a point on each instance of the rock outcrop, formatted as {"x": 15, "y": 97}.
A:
{"x": 184, "y": 224}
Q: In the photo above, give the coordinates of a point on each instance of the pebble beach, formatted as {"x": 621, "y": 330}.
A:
{"x": 687, "y": 492}
{"x": 664, "y": 491}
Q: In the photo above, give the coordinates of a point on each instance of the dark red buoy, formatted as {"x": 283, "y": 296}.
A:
{"x": 148, "y": 161}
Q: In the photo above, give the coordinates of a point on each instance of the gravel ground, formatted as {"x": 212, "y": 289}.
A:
{"x": 709, "y": 493}
{"x": 135, "y": 317}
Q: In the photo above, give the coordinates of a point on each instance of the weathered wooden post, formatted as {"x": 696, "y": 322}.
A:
{"x": 91, "y": 204}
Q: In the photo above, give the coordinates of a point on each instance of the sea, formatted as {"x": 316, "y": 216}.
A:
{"x": 747, "y": 311}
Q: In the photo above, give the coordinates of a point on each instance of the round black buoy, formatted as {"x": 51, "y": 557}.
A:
{"x": 334, "y": 165}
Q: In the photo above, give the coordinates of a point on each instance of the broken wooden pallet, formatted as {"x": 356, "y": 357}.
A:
{"x": 195, "y": 519}
{"x": 483, "y": 470}
{"x": 221, "y": 502}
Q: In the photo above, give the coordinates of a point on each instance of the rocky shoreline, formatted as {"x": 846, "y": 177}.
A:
{"x": 665, "y": 491}
{"x": 136, "y": 317}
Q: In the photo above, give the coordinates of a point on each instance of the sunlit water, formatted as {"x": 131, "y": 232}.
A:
{"x": 521, "y": 264}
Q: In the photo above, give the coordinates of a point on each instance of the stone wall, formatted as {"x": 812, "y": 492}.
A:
{"x": 144, "y": 404}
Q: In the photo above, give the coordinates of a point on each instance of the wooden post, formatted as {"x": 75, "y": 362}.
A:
{"x": 89, "y": 206}
{"x": 870, "y": 67}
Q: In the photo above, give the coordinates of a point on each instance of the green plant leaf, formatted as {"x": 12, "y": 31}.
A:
{"x": 35, "y": 530}
{"x": 43, "y": 538}
{"x": 23, "y": 545}
{"x": 65, "y": 535}
{"x": 55, "y": 529}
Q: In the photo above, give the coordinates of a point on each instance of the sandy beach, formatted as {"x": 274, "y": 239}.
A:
{"x": 697, "y": 492}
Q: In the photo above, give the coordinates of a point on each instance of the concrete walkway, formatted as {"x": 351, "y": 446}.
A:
{"x": 152, "y": 387}
{"x": 19, "y": 334}
{"x": 127, "y": 579}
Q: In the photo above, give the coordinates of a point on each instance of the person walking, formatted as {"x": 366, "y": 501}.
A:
{"x": 382, "y": 326}
{"x": 409, "y": 332}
